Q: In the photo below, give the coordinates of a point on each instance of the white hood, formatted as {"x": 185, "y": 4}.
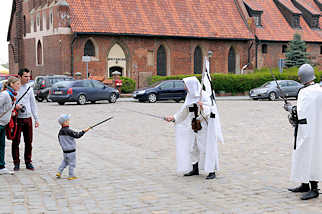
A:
{"x": 193, "y": 93}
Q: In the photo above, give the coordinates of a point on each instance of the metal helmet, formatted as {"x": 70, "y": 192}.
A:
{"x": 306, "y": 73}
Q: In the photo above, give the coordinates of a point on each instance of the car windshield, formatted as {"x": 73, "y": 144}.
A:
{"x": 268, "y": 84}
{"x": 156, "y": 84}
{"x": 63, "y": 84}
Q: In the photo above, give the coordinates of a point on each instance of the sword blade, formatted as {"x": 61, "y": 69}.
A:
{"x": 146, "y": 114}
{"x": 99, "y": 123}
{"x": 279, "y": 88}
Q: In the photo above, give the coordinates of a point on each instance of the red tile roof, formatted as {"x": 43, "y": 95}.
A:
{"x": 253, "y": 5}
{"x": 310, "y": 5}
{"x": 290, "y": 6}
{"x": 276, "y": 28}
{"x": 182, "y": 18}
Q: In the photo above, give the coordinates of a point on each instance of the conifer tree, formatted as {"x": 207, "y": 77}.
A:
{"x": 296, "y": 52}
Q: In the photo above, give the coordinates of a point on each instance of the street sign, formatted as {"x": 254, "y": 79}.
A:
{"x": 281, "y": 63}
{"x": 86, "y": 58}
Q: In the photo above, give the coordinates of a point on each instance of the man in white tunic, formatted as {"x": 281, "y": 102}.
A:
{"x": 307, "y": 154}
{"x": 195, "y": 145}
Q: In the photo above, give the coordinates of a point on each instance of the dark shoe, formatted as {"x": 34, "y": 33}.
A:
{"x": 310, "y": 195}
{"x": 30, "y": 166}
{"x": 195, "y": 170}
{"x": 302, "y": 188}
{"x": 17, "y": 167}
{"x": 212, "y": 175}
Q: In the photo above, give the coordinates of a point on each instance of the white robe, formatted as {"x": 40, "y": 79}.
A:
{"x": 213, "y": 136}
{"x": 307, "y": 158}
{"x": 186, "y": 139}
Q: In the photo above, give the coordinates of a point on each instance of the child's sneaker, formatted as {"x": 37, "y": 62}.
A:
{"x": 5, "y": 171}
{"x": 58, "y": 175}
{"x": 72, "y": 178}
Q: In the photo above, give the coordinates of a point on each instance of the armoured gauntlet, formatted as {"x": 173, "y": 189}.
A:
{"x": 292, "y": 117}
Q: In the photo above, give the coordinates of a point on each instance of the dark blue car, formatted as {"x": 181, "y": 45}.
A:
{"x": 81, "y": 91}
{"x": 166, "y": 90}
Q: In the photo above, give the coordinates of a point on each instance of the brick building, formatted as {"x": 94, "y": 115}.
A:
{"x": 164, "y": 37}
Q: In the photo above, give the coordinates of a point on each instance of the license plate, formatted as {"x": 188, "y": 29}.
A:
{"x": 58, "y": 92}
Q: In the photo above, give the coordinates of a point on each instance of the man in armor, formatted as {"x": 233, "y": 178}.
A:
{"x": 306, "y": 117}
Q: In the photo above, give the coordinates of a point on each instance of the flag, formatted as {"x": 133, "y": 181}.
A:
{"x": 206, "y": 80}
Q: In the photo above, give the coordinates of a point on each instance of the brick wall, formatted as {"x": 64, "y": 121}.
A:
{"x": 271, "y": 58}
{"x": 56, "y": 55}
{"x": 314, "y": 53}
{"x": 180, "y": 54}
{"x": 274, "y": 53}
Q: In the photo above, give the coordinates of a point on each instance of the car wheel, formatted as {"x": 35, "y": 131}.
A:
{"x": 82, "y": 99}
{"x": 112, "y": 98}
{"x": 61, "y": 103}
{"x": 272, "y": 96}
{"x": 39, "y": 99}
{"x": 152, "y": 98}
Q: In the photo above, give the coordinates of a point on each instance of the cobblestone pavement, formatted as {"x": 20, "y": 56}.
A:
{"x": 127, "y": 165}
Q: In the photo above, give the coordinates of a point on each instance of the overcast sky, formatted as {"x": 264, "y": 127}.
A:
{"x": 5, "y": 11}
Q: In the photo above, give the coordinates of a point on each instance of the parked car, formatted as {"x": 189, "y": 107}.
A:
{"x": 43, "y": 83}
{"x": 81, "y": 91}
{"x": 166, "y": 90}
{"x": 270, "y": 91}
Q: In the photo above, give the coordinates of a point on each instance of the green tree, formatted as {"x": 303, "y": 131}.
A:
{"x": 296, "y": 52}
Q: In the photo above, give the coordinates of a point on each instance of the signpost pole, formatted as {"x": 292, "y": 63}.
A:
{"x": 86, "y": 59}
{"x": 86, "y": 70}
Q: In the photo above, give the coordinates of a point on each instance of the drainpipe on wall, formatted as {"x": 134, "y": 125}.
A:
{"x": 256, "y": 51}
{"x": 251, "y": 45}
{"x": 72, "y": 55}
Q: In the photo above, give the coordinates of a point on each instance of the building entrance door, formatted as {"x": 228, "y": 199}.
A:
{"x": 115, "y": 68}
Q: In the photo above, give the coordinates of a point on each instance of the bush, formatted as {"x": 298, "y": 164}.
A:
{"x": 241, "y": 83}
{"x": 128, "y": 85}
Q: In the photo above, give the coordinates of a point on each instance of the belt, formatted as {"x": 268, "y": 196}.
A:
{"x": 70, "y": 151}
{"x": 302, "y": 121}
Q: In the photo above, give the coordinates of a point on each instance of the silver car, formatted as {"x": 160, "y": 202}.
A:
{"x": 269, "y": 90}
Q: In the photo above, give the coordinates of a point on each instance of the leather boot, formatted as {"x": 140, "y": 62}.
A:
{"x": 305, "y": 187}
{"x": 313, "y": 193}
{"x": 212, "y": 175}
{"x": 195, "y": 170}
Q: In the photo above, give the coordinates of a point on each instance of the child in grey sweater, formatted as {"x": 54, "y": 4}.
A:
{"x": 66, "y": 138}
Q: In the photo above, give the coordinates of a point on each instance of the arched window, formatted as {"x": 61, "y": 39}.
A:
{"x": 161, "y": 61}
{"x": 89, "y": 49}
{"x": 197, "y": 68}
{"x": 39, "y": 53}
{"x": 231, "y": 61}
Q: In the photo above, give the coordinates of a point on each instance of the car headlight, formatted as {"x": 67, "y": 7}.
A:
{"x": 141, "y": 92}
